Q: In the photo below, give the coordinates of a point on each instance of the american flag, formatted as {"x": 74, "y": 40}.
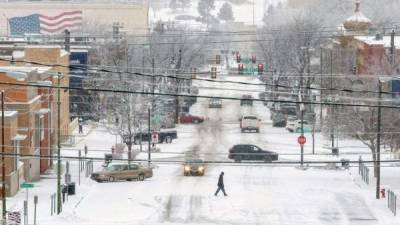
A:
{"x": 39, "y": 23}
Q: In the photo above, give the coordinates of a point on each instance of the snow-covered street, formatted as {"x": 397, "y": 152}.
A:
{"x": 257, "y": 194}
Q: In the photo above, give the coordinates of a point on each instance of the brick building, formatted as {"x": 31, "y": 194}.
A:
{"x": 13, "y": 167}
{"x": 374, "y": 53}
{"x": 33, "y": 118}
{"x": 45, "y": 55}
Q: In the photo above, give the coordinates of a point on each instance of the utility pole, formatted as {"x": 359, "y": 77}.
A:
{"x": 149, "y": 133}
{"x": 332, "y": 107}
{"x": 253, "y": 12}
{"x": 3, "y": 167}
{"x": 177, "y": 84}
{"x": 67, "y": 40}
{"x": 58, "y": 146}
{"x": 321, "y": 123}
{"x": 301, "y": 118}
{"x": 378, "y": 143}
{"x": 392, "y": 50}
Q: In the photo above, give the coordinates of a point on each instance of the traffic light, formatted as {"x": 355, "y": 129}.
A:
{"x": 253, "y": 59}
{"x": 213, "y": 72}
{"x": 260, "y": 68}
{"x": 240, "y": 68}
{"x": 238, "y": 59}
{"x": 218, "y": 59}
{"x": 354, "y": 70}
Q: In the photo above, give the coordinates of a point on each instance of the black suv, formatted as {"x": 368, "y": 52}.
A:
{"x": 251, "y": 152}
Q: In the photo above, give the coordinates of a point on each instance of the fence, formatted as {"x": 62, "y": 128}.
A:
{"x": 363, "y": 170}
{"x": 392, "y": 201}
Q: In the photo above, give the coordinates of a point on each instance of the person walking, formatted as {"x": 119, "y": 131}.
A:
{"x": 80, "y": 128}
{"x": 221, "y": 185}
{"x": 85, "y": 150}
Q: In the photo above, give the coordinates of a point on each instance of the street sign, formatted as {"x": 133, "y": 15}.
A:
{"x": 156, "y": 118}
{"x": 154, "y": 137}
{"x": 301, "y": 140}
{"x": 26, "y": 185}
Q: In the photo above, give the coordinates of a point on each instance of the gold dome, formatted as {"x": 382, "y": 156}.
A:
{"x": 357, "y": 22}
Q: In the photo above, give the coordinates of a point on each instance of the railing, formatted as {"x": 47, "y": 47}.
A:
{"x": 363, "y": 170}
{"x": 392, "y": 201}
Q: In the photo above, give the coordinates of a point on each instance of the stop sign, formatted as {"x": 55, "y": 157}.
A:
{"x": 154, "y": 137}
{"x": 301, "y": 140}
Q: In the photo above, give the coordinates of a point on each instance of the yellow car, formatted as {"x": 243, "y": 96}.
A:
{"x": 194, "y": 168}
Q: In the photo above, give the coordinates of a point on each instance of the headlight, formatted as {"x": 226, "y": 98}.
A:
{"x": 201, "y": 168}
{"x": 187, "y": 168}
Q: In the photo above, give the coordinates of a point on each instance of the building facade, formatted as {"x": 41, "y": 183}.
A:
{"x": 96, "y": 15}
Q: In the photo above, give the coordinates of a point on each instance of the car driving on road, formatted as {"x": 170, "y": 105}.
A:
{"x": 122, "y": 171}
{"x": 247, "y": 100}
{"x": 249, "y": 123}
{"x": 295, "y": 126}
{"x": 193, "y": 167}
{"x": 215, "y": 103}
{"x": 188, "y": 118}
{"x": 251, "y": 152}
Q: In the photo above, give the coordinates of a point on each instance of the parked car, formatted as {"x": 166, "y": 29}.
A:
{"x": 163, "y": 136}
{"x": 251, "y": 152}
{"x": 250, "y": 123}
{"x": 295, "y": 126}
{"x": 193, "y": 167}
{"x": 188, "y": 118}
{"x": 246, "y": 100}
{"x": 215, "y": 103}
{"x": 122, "y": 171}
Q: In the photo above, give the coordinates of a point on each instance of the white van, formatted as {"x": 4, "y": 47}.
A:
{"x": 250, "y": 123}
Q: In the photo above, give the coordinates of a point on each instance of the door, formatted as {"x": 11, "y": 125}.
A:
{"x": 113, "y": 171}
{"x": 133, "y": 171}
{"x": 257, "y": 153}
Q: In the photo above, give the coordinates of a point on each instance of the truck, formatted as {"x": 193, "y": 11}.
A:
{"x": 249, "y": 123}
{"x": 163, "y": 136}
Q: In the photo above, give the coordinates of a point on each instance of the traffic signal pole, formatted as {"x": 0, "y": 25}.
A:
{"x": 58, "y": 146}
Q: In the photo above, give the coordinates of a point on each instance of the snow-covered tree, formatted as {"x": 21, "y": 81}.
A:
{"x": 184, "y": 4}
{"x": 173, "y": 4}
{"x": 204, "y": 8}
{"x": 225, "y": 12}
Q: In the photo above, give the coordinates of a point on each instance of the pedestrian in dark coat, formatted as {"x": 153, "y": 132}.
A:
{"x": 221, "y": 185}
{"x": 80, "y": 128}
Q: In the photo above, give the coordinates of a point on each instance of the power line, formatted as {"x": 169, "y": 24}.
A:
{"x": 207, "y": 80}
{"x": 169, "y": 161}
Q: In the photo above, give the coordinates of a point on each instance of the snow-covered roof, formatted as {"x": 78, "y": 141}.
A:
{"x": 358, "y": 17}
{"x": 9, "y": 113}
{"x": 357, "y": 21}
{"x": 21, "y": 73}
{"x": 27, "y": 69}
{"x": 385, "y": 40}
{"x": 42, "y": 46}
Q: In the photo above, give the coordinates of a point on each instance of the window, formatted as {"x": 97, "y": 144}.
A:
{"x": 134, "y": 167}
{"x": 41, "y": 127}
{"x": 124, "y": 167}
{"x": 16, "y": 151}
{"x": 113, "y": 168}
